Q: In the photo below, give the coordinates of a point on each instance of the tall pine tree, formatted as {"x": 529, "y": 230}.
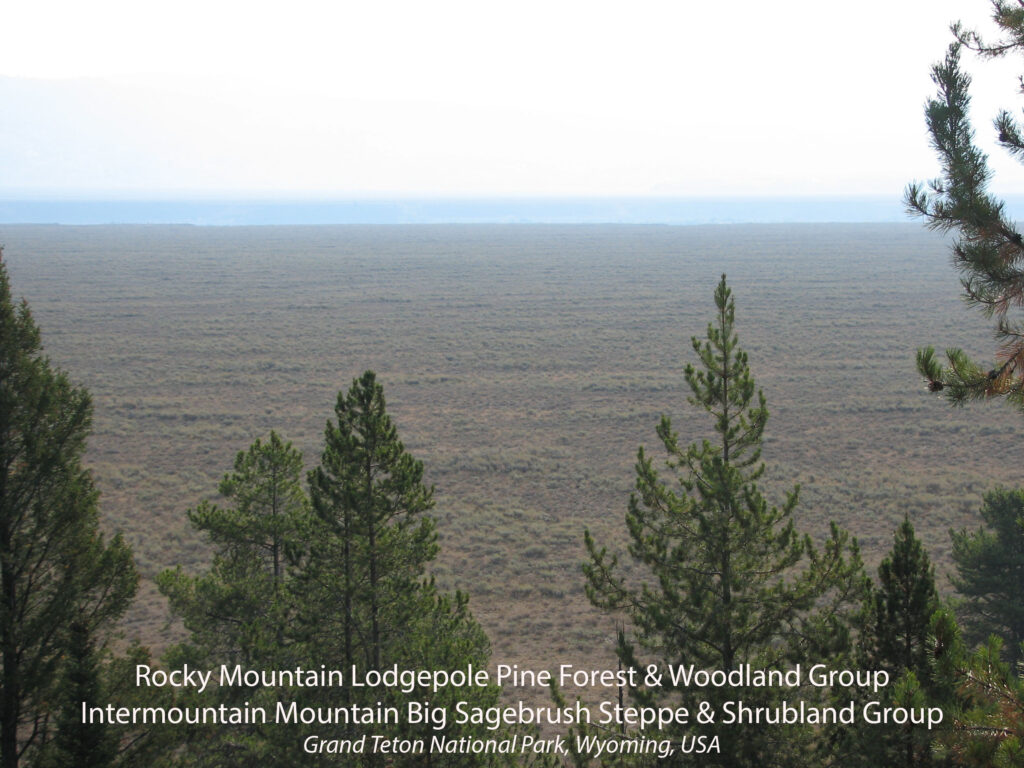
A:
{"x": 240, "y": 611}
{"x": 901, "y": 607}
{"x": 896, "y": 636}
{"x": 375, "y": 538}
{"x": 727, "y": 580}
{"x": 55, "y": 568}
{"x": 988, "y": 250}
{"x": 83, "y": 745}
{"x": 367, "y": 603}
{"x": 337, "y": 579}
{"x": 990, "y": 572}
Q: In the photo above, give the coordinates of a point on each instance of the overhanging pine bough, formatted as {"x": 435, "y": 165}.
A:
{"x": 988, "y": 249}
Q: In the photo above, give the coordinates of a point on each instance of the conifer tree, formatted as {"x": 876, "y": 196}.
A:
{"x": 896, "y": 636}
{"x": 375, "y": 538}
{"x": 987, "y": 714}
{"x": 83, "y": 745}
{"x": 270, "y": 513}
{"x": 336, "y": 578}
{"x": 238, "y": 613}
{"x": 55, "y": 567}
{"x": 990, "y": 571}
{"x": 367, "y": 604}
{"x": 901, "y": 607}
{"x": 728, "y": 581}
{"x": 988, "y": 248}
{"x": 138, "y": 745}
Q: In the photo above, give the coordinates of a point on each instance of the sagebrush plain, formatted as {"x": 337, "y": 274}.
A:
{"x": 524, "y": 365}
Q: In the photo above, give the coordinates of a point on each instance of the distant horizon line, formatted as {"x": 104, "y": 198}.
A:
{"x": 286, "y": 209}
{"x": 41, "y": 193}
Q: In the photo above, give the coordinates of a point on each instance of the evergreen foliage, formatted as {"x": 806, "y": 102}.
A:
{"x": 728, "y": 580}
{"x": 988, "y": 248}
{"x": 55, "y": 568}
{"x": 901, "y": 608}
{"x": 139, "y": 746}
{"x": 239, "y": 612}
{"x": 896, "y": 636}
{"x": 336, "y": 578}
{"x": 366, "y": 602}
{"x": 83, "y": 745}
{"x": 990, "y": 571}
{"x": 988, "y": 714}
{"x": 374, "y": 540}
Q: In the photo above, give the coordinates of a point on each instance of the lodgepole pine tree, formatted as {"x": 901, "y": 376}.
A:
{"x": 334, "y": 579}
{"x": 240, "y": 611}
{"x": 988, "y": 248}
{"x": 990, "y": 571}
{"x": 375, "y": 538}
{"x": 901, "y": 607}
{"x": 366, "y": 604}
{"x": 55, "y": 568}
{"x": 83, "y": 745}
{"x": 270, "y": 514}
{"x": 896, "y": 636}
{"x": 728, "y": 581}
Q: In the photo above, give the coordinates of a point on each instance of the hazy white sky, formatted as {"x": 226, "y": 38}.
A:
{"x": 401, "y": 97}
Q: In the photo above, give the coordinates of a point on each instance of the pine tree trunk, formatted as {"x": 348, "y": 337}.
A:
{"x": 9, "y": 702}
{"x": 371, "y": 520}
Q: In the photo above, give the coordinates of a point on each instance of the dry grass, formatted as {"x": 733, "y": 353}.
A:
{"x": 524, "y": 365}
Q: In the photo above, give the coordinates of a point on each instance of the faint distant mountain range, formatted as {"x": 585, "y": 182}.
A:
{"x": 92, "y": 135}
{"x": 457, "y": 211}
